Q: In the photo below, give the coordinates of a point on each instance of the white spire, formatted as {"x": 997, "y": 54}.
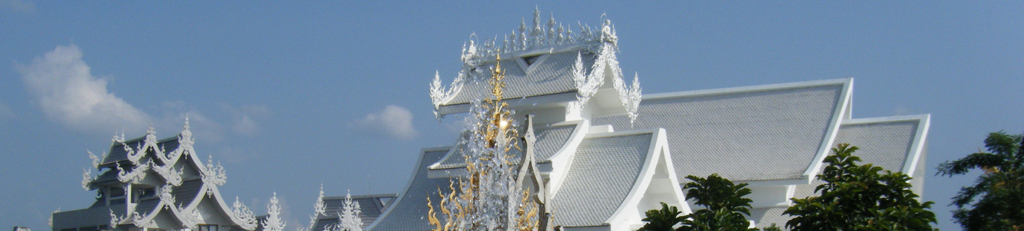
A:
{"x": 273, "y": 221}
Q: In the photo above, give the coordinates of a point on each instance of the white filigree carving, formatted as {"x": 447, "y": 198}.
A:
{"x": 273, "y": 221}
{"x": 167, "y": 195}
{"x": 185, "y": 141}
{"x": 192, "y": 219}
{"x": 116, "y": 220}
{"x": 86, "y": 178}
{"x": 318, "y": 209}
{"x": 586, "y": 86}
{"x": 95, "y": 160}
{"x": 150, "y": 141}
{"x": 629, "y": 97}
{"x": 136, "y": 174}
{"x": 141, "y": 220}
{"x": 348, "y": 218}
{"x": 163, "y": 162}
{"x": 173, "y": 176}
{"x": 213, "y": 174}
{"x": 554, "y": 35}
{"x": 551, "y": 34}
{"x": 242, "y": 213}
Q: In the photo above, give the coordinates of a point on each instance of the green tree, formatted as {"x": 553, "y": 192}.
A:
{"x": 724, "y": 204}
{"x": 774, "y": 227}
{"x": 859, "y": 197}
{"x": 661, "y": 220}
{"x": 995, "y": 201}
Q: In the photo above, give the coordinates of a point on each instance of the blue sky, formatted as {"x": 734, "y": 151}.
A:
{"x": 291, "y": 95}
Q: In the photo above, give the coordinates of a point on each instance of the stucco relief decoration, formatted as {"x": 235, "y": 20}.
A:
{"x": 243, "y": 214}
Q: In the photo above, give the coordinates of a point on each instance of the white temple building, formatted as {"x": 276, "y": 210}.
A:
{"x": 606, "y": 154}
{"x": 149, "y": 184}
{"x": 600, "y": 152}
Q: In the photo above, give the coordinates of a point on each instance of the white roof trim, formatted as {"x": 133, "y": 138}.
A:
{"x": 848, "y": 82}
{"x": 574, "y": 139}
{"x": 412, "y": 177}
{"x": 559, "y": 164}
{"x": 845, "y": 101}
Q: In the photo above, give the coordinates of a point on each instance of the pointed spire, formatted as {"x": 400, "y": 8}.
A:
{"x": 273, "y": 221}
{"x": 536, "y": 23}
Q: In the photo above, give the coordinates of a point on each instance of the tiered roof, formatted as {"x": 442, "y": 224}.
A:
{"x": 179, "y": 191}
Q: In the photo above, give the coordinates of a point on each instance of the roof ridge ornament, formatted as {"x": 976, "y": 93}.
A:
{"x": 243, "y": 214}
{"x": 541, "y": 35}
{"x": 475, "y": 54}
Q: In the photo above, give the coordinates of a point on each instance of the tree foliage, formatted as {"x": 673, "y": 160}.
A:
{"x": 994, "y": 201}
{"x": 859, "y": 197}
{"x": 664, "y": 219}
{"x": 724, "y": 204}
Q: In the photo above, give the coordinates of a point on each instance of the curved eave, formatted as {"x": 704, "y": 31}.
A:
{"x": 845, "y": 104}
{"x": 657, "y": 153}
{"x": 605, "y": 176}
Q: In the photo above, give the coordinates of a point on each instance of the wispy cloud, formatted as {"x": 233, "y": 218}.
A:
{"x": 23, "y": 6}
{"x": 244, "y": 118}
{"x": 63, "y": 87}
{"x": 394, "y": 121}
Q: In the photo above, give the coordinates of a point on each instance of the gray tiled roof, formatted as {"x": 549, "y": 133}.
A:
{"x": 105, "y": 177}
{"x": 602, "y": 174}
{"x": 779, "y": 131}
{"x": 147, "y": 207}
{"x": 410, "y": 211}
{"x": 187, "y": 192}
{"x": 549, "y": 76}
{"x": 370, "y": 208}
{"x": 549, "y": 140}
{"x": 885, "y": 144}
{"x": 117, "y": 153}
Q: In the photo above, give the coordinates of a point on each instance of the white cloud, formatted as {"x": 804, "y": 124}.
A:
{"x": 22, "y": 6}
{"x": 244, "y": 122}
{"x": 62, "y": 86}
{"x": 394, "y": 121}
{"x": 202, "y": 127}
{"x": 246, "y": 126}
{"x": 66, "y": 91}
